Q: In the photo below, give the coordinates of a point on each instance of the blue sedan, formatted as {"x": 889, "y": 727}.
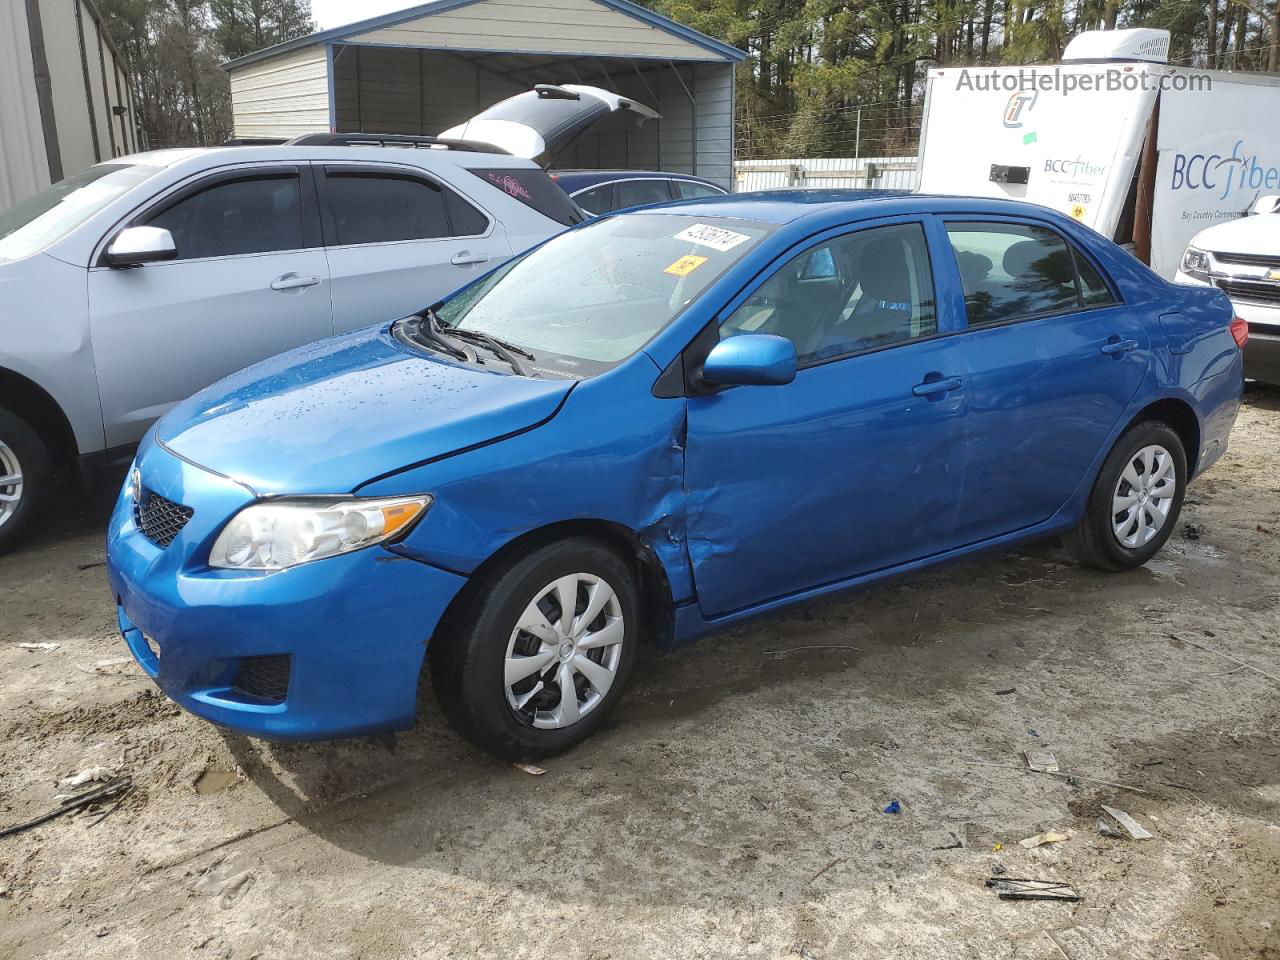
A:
{"x": 654, "y": 425}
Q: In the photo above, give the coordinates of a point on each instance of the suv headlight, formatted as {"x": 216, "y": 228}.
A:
{"x": 277, "y": 534}
{"x": 1195, "y": 263}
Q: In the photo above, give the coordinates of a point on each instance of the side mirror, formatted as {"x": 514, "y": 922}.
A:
{"x": 1267, "y": 203}
{"x": 135, "y": 246}
{"x": 751, "y": 359}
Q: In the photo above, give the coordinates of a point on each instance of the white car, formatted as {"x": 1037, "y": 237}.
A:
{"x": 140, "y": 281}
{"x": 1242, "y": 257}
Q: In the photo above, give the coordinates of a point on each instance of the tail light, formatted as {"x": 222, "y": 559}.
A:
{"x": 1240, "y": 330}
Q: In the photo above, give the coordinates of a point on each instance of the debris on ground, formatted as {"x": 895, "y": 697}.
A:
{"x": 104, "y": 666}
{"x": 87, "y": 775}
{"x": 894, "y": 807}
{"x": 1191, "y": 532}
{"x": 530, "y": 769}
{"x": 1015, "y": 888}
{"x": 1006, "y": 691}
{"x": 1041, "y": 761}
{"x": 38, "y": 646}
{"x": 1224, "y": 656}
{"x": 1040, "y": 839}
{"x": 1131, "y": 826}
{"x": 114, "y": 788}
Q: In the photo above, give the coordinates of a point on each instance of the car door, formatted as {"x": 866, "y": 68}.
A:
{"x": 250, "y": 280}
{"x": 855, "y": 465}
{"x": 1054, "y": 359}
{"x": 398, "y": 241}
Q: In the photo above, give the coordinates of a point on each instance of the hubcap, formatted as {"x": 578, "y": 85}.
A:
{"x": 564, "y": 652}
{"x": 1143, "y": 496}
{"x": 10, "y": 482}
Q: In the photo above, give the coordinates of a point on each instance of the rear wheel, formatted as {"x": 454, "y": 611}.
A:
{"x": 26, "y": 473}
{"x": 1135, "y": 501}
{"x": 538, "y": 654}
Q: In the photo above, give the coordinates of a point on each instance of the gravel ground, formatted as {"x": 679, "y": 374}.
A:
{"x": 735, "y": 807}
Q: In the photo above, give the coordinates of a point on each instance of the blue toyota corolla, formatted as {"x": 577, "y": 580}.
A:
{"x": 651, "y": 426}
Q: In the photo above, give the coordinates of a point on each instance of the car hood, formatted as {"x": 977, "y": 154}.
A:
{"x": 543, "y": 121}
{"x": 1258, "y": 234}
{"x": 331, "y": 416}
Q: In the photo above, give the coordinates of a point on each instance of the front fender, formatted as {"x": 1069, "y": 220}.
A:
{"x": 614, "y": 452}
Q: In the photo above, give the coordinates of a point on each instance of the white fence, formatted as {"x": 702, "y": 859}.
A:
{"x": 875, "y": 173}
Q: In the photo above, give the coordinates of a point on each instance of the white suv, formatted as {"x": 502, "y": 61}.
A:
{"x": 129, "y": 287}
{"x": 1242, "y": 257}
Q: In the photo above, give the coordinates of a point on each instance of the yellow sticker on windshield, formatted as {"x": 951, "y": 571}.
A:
{"x": 685, "y": 266}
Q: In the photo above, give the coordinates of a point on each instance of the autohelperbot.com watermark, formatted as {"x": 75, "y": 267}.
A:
{"x": 1066, "y": 80}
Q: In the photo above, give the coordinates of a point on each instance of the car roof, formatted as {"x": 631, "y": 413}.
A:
{"x": 578, "y": 179}
{"x": 300, "y": 153}
{"x": 787, "y": 206}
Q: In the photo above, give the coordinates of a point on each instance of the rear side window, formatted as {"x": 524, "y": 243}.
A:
{"x": 465, "y": 220}
{"x": 236, "y": 217}
{"x": 380, "y": 208}
{"x": 597, "y": 200}
{"x": 688, "y": 190}
{"x": 640, "y": 193}
{"x": 1014, "y": 271}
{"x": 1093, "y": 291}
{"x": 534, "y": 189}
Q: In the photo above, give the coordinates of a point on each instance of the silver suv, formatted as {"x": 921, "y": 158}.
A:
{"x": 127, "y": 288}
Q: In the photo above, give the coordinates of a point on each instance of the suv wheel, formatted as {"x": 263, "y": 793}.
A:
{"x": 538, "y": 656}
{"x": 26, "y": 473}
{"x": 1135, "y": 501}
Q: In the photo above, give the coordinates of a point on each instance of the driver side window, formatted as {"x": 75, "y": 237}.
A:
{"x": 868, "y": 289}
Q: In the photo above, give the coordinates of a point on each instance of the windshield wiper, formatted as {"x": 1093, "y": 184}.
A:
{"x": 507, "y": 351}
{"x": 427, "y": 331}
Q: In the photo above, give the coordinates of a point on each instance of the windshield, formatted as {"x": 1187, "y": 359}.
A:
{"x": 592, "y": 297}
{"x": 34, "y": 224}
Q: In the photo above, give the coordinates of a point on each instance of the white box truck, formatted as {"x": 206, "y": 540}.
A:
{"x": 1146, "y": 153}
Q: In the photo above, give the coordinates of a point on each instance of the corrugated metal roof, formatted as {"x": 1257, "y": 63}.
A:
{"x": 723, "y": 51}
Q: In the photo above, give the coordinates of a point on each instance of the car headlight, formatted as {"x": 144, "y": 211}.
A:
{"x": 133, "y": 485}
{"x": 1195, "y": 263}
{"x": 277, "y": 534}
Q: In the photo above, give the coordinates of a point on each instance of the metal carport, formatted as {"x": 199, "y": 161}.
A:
{"x": 423, "y": 70}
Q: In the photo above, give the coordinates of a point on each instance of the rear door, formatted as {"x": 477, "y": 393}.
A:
{"x": 250, "y": 280}
{"x": 399, "y": 240}
{"x": 1053, "y": 359}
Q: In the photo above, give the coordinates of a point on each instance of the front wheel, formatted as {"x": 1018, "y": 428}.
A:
{"x": 1135, "y": 501}
{"x": 537, "y": 655}
{"x": 26, "y": 473}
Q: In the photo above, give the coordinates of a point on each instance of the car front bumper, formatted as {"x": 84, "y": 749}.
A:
{"x": 327, "y": 649}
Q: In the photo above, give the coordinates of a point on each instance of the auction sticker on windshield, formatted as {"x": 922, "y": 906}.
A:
{"x": 717, "y": 238}
{"x": 685, "y": 266}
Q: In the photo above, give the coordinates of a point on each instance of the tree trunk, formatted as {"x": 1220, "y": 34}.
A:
{"x": 1213, "y": 35}
{"x": 1274, "y": 65}
{"x": 1242, "y": 28}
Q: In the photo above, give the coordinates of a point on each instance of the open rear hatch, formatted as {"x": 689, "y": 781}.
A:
{"x": 543, "y": 121}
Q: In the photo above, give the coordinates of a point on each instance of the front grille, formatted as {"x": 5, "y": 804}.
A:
{"x": 159, "y": 519}
{"x": 266, "y": 678}
{"x": 1249, "y": 259}
{"x": 1252, "y": 291}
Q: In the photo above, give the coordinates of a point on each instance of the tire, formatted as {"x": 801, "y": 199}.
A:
{"x": 1110, "y": 538}
{"x": 24, "y": 454}
{"x": 481, "y": 641}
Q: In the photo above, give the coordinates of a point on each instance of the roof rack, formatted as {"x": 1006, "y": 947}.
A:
{"x": 252, "y": 142}
{"x": 391, "y": 140}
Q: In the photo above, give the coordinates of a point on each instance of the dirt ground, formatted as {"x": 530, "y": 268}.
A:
{"x": 734, "y": 808}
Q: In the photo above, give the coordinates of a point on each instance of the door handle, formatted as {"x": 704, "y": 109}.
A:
{"x": 934, "y": 388}
{"x": 466, "y": 258}
{"x": 1116, "y": 348}
{"x": 292, "y": 281}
